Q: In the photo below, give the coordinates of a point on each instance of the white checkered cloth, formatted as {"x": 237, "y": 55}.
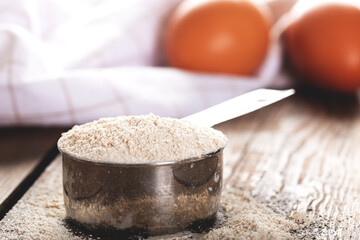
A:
{"x": 70, "y": 62}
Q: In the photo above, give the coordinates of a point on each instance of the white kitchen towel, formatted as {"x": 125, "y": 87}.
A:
{"x": 69, "y": 62}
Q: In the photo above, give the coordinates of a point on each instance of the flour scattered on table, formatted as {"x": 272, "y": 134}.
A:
{"x": 141, "y": 139}
{"x": 40, "y": 215}
{"x": 40, "y": 212}
{"x": 247, "y": 219}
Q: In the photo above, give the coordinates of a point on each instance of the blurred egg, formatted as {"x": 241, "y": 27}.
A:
{"x": 324, "y": 46}
{"x": 219, "y": 36}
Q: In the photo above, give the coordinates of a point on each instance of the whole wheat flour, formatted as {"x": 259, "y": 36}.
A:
{"x": 141, "y": 139}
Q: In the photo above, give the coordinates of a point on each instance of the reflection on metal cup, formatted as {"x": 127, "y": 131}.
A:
{"x": 150, "y": 199}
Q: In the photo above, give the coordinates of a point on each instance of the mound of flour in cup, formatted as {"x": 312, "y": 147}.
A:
{"x": 141, "y": 139}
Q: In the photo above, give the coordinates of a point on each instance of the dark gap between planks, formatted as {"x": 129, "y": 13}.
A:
{"x": 27, "y": 182}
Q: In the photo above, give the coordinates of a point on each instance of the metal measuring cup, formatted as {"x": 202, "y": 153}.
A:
{"x": 154, "y": 198}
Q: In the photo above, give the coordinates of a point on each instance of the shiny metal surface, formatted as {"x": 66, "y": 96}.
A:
{"x": 146, "y": 199}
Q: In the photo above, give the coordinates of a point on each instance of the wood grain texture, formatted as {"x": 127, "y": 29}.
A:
{"x": 21, "y": 150}
{"x": 300, "y": 154}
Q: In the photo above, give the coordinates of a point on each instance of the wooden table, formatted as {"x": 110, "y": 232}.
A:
{"x": 301, "y": 154}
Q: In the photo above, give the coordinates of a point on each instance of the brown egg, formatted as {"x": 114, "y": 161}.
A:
{"x": 223, "y": 36}
{"x": 324, "y": 47}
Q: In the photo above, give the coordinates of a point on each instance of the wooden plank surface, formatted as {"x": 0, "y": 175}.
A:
{"x": 302, "y": 156}
{"x": 299, "y": 155}
{"x": 21, "y": 151}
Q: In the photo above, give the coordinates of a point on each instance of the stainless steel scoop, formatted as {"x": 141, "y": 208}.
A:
{"x": 154, "y": 198}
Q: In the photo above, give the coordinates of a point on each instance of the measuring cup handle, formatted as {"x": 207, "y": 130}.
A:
{"x": 238, "y": 106}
